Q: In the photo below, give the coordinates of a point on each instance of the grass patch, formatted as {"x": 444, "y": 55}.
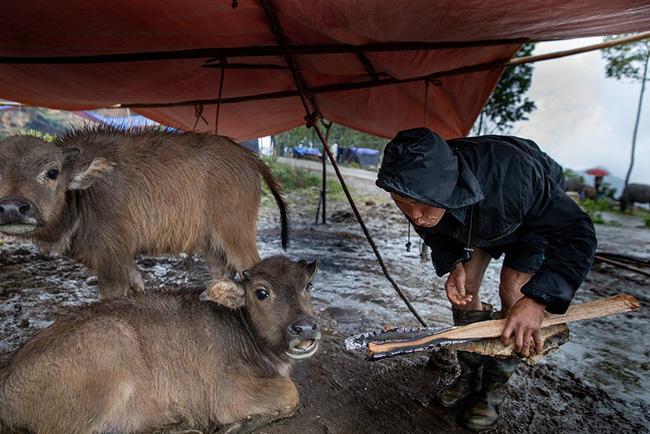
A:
{"x": 590, "y": 205}
{"x": 598, "y": 219}
{"x": 595, "y": 209}
{"x": 295, "y": 179}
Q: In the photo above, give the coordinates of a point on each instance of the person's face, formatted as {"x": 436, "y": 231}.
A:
{"x": 422, "y": 215}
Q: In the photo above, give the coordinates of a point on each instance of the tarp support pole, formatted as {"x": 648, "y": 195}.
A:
{"x": 311, "y": 118}
{"x": 323, "y": 192}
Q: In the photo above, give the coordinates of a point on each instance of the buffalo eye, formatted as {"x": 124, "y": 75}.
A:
{"x": 52, "y": 174}
{"x": 261, "y": 294}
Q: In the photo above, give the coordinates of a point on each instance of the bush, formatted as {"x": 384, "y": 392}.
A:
{"x": 590, "y": 205}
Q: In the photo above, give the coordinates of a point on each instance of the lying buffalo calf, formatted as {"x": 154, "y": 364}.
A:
{"x": 136, "y": 363}
{"x": 103, "y": 195}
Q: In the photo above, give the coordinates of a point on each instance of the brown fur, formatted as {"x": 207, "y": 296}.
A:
{"x": 130, "y": 364}
{"x": 140, "y": 191}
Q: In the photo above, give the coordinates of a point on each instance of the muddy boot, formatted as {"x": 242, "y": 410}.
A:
{"x": 469, "y": 380}
{"x": 484, "y": 412}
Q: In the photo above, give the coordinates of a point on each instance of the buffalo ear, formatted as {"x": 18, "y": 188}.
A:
{"x": 84, "y": 177}
{"x": 311, "y": 268}
{"x": 224, "y": 292}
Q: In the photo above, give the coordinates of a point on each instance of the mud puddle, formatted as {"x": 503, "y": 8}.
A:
{"x": 596, "y": 383}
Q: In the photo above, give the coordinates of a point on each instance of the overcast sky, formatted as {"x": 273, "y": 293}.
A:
{"x": 584, "y": 119}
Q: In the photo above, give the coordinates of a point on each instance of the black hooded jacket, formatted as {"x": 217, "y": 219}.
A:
{"x": 509, "y": 189}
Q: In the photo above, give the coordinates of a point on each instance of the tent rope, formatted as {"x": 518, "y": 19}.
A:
{"x": 198, "y": 114}
{"x": 310, "y": 119}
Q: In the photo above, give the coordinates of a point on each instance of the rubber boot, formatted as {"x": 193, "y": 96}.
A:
{"x": 484, "y": 412}
{"x": 469, "y": 380}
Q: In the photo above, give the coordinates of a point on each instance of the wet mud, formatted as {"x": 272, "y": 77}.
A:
{"x": 598, "y": 382}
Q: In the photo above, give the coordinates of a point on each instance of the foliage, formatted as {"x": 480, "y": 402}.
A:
{"x": 626, "y": 61}
{"x": 595, "y": 209}
{"x": 591, "y": 205}
{"x": 508, "y": 103}
{"x": 598, "y": 219}
{"x": 296, "y": 179}
{"x": 344, "y": 136}
{"x": 42, "y": 120}
{"x": 629, "y": 61}
{"x": 570, "y": 174}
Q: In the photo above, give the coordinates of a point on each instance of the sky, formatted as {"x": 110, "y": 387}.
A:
{"x": 584, "y": 119}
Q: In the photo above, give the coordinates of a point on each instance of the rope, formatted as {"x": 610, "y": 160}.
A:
{"x": 198, "y": 114}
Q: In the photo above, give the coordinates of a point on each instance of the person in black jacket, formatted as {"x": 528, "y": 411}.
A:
{"x": 474, "y": 199}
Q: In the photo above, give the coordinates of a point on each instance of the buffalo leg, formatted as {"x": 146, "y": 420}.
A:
{"x": 218, "y": 265}
{"x": 268, "y": 399}
{"x": 115, "y": 278}
{"x": 136, "y": 284}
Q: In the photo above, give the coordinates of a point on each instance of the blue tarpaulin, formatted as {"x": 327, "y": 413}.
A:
{"x": 302, "y": 152}
{"x": 131, "y": 121}
{"x": 364, "y": 157}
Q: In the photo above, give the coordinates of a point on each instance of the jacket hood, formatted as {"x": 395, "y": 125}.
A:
{"x": 419, "y": 164}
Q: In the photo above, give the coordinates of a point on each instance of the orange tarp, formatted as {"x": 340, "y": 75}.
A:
{"x": 55, "y": 28}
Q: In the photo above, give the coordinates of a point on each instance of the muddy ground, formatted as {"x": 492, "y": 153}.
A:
{"x": 598, "y": 382}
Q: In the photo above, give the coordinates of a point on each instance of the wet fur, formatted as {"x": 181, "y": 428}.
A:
{"x": 167, "y": 192}
{"x": 129, "y": 364}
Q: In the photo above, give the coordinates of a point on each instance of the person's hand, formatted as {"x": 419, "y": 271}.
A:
{"x": 523, "y": 323}
{"x": 455, "y": 287}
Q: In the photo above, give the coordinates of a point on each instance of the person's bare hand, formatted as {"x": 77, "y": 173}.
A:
{"x": 455, "y": 287}
{"x": 523, "y": 323}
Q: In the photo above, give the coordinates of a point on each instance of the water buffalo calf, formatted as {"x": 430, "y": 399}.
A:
{"x": 134, "y": 363}
{"x": 103, "y": 195}
{"x": 634, "y": 193}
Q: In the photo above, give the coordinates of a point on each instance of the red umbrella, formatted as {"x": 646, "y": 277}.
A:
{"x": 597, "y": 171}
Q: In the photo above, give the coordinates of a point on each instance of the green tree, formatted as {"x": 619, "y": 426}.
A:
{"x": 508, "y": 103}
{"x": 344, "y": 136}
{"x": 629, "y": 61}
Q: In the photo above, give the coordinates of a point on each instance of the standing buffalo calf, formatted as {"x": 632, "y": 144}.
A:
{"x": 639, "y": 193}
{"x": 135, "y": 363}
{"x": 103, "y": 195}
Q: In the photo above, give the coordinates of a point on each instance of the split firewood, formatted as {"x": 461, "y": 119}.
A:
{"x": 552, "y": 338}
{"x": 389, "y": 344}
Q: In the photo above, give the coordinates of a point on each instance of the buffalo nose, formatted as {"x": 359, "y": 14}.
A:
{"x": 302, "y": 326}
{"x": 14, "y": 206}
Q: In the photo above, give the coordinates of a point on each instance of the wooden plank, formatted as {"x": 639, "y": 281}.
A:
{"x": 491, "y": 329}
